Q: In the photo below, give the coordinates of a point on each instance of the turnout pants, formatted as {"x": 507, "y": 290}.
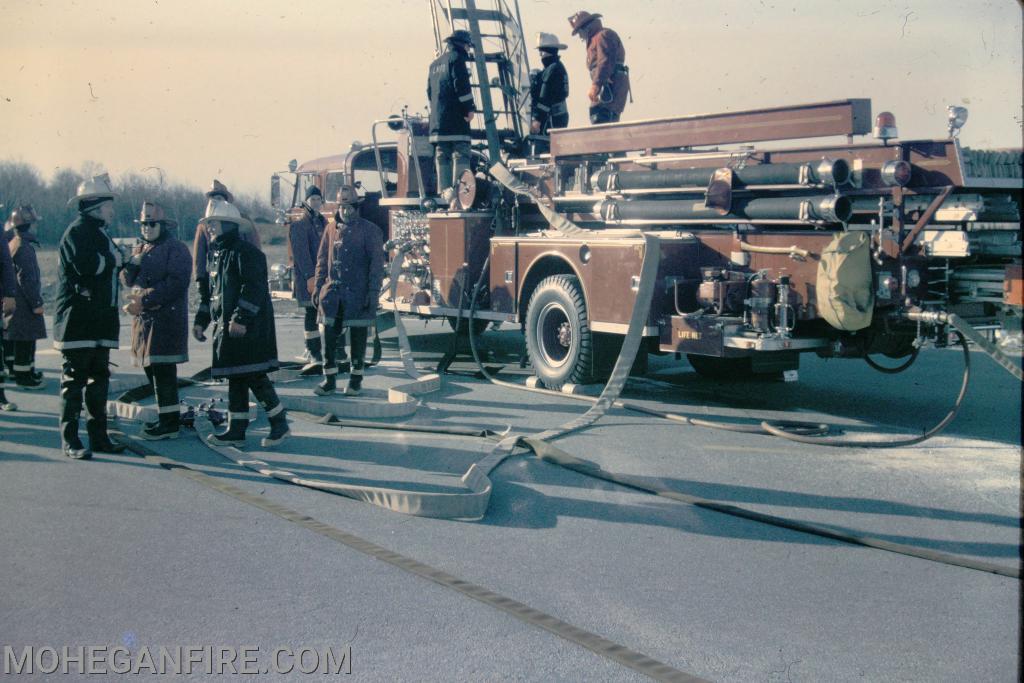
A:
{"x": 238, "y": 397}
{"x": 19, "y": 357}
{"x": 451, "y": 159}
{"x": 84, "y": 371}
{"x": 164, "y": 378}
{"x": 334, "y": 340}
{"x": 602, "y": 114}
{"x": 312, "y": 334}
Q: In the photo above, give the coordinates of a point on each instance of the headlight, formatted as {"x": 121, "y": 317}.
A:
{"x": 896, "y": 172}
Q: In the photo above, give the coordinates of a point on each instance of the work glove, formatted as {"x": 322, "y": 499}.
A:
{"x": 236, "y": 330}
{"x": 310, "y": 285}
{"x": 202, "y": 320}
{"x": 10, "y": 303}
{"x": 535, "y": 127}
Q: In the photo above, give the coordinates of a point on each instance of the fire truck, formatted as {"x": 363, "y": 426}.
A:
{"x": 772, "y": 243}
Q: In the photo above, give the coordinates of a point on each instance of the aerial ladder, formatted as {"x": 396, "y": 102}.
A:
{"x": 501, "y": 77}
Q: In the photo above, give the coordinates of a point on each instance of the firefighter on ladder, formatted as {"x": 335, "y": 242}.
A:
{"x": 159, "y": 272}
{"x": 451, "y": 111}
{"x": 349, "y": 275}
{"x": 304, "y": 237}
{"x": 606, "y": 61}
{"x": 548, "y": 92}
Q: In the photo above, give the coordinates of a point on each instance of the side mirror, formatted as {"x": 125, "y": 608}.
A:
{"x": 275, "y": 191}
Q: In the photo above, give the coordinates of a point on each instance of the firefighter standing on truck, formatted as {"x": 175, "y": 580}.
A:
{"x": 25, "y": 325}
{"x": 86, "y": 324}
{"x": 304, "y": 237}
{"x": 451, "y": 111}
{"x": 606, "y": 61}
{"x": 202, "y": 254}
{"x": 159, "y": 272}
{"x": 244, "y": 339}
{"x": 548, "y": 93}
{"x": 349, "y": 275}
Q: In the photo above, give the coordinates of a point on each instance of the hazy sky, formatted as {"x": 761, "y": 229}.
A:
{"x": 235, "y": 89}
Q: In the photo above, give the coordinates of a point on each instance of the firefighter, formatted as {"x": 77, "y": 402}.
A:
{"x": 244, "y": 343}
{"x": 202, "y": 255}
{"x": 159, "y": 271}
{"x": 25, "y": 324}
{"x": 548, "y": 92}
{"x": 86, "y": 323}
{"x": 304, "y": 237}
{"x": 8, "y": 288}
{"x": 349, "y": 275}
{"x": 606, "y": 61}
{"x": 451, "y": 111}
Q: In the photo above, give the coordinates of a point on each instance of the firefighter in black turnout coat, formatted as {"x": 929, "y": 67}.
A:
{"x": 159, "y": 272}
{"x": 86, "y": 324}
{"x": 244, "y": 343}
{"x": 451, "y": 111}
{"x": 304, "y": 237}
{"x": 548, "y": 93}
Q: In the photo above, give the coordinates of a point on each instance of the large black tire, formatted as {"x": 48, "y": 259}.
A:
{"x": 558, "y": 336}
{"x": 721, "y": 368}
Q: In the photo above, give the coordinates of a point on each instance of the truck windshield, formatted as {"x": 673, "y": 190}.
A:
{"x": 302, "y": 182}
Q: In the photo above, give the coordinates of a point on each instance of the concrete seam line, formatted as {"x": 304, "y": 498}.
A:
{"x": 591, "y": 641}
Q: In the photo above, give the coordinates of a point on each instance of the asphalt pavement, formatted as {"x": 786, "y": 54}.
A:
{"x": 122, "y": 551}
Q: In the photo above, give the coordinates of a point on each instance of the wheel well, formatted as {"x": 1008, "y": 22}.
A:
{"x": 542, "y": 268}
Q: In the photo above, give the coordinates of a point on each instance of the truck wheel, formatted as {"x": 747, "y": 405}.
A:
{"x": 713, "y": 367}
{"x": 558, "y": 336}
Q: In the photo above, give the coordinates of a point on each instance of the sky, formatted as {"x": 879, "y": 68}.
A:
{"x": 234, "y": 89}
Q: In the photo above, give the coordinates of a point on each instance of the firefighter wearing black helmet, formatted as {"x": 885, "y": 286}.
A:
{"x": 451, "y": 110}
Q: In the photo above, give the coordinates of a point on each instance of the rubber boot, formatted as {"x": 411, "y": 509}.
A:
{"x": 328, "y": 386}
{"x": 96, "y": 425}
{"x": 167, "y": 427}
{"x": 27, "y": 381}
{"x": 234, "y": 436}
{"x": 355, "y": 384}
{"x": 70, "y": 443}
{"x": 278, "y": 430}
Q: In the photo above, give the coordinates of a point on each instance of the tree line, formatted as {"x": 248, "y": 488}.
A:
{"x": 21, "y": 183}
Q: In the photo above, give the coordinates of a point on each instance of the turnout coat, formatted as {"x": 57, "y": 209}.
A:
{"x": 8, "y": 281}
{"x": 548, "y": 95}
{"x": 606, "y": 58}
{"x": 240, "y": 293}
{"x": 304, "y": 242}
{"x": 23, "y": 324}
{"x": 349, "y": 273}
{"x": 450, "y": 96}
{"x": 86, "y": 314}
{"x": 160, "y": 331}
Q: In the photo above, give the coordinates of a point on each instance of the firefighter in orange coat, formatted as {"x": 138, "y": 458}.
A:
{"x": 606, "y": 61}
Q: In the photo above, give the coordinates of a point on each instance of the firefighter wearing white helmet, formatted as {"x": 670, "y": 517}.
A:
{"x": 86, "y": 323}
{"x": 548, "y": 93}
{"x": 244, "y": 342}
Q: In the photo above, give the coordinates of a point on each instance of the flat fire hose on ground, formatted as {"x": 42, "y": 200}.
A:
{"x": 473, "y": 503}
